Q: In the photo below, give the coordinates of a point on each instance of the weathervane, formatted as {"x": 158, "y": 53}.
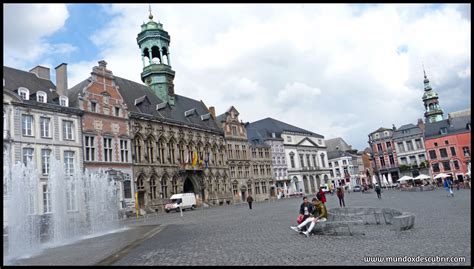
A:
{"x": 149, "y": 8}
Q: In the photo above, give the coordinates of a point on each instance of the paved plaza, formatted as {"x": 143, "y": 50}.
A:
{"x": 235, "y": 235}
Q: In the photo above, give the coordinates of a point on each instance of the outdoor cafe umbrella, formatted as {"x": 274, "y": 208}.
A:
{"x": 441, "y": 175}
{"x": 421, "y": 176}
{"x": 405, "y": 178}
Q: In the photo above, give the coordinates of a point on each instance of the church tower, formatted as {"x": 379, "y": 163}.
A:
{"x": 154, "y": 46}
{"x": 433, "y": 111}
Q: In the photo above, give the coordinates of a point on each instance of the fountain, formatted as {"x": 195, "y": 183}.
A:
{"x": 75, "y": 204}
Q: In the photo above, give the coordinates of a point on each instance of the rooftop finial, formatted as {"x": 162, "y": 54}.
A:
{"x": 151, "y": 15}
{"x": 424, "y": 72}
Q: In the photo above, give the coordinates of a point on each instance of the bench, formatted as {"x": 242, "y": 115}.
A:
{"x": 403, "y": 222}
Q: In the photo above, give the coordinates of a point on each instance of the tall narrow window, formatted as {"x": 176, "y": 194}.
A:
{"x": 27, "y": 125}
{"x": 432, "y": 154}
{"x": 27, "y": 155}
{"x": 93, "y": 106}
{"x": 69, "y": 162}
{"x": 401, "y": 147}
{"x": 301, "y": 160}
{"x": 234, "y": 130}
{"x": 323, "y": 161}
{"x": 45, "y": 127}
{"x": 418, "y": 143}
{"x": 46, "y": 199}
{"x": 171, "y": 152}
{"x": 124, "y": 151}
{"x": 45, "y": 157}
{"x": 453, "y": 151}
{"x": 456, "y": 165}
{"x": 379, "y": 147}
{"x": 466, "y": 152}
{"x": 164, "y": 188}
{"x": 107, "y": 149}
{"x": 117, "y": 111}
{"x": 174, "y": 185}
{"x": 127, "y": 189}
{"x": 292, "y": 160}
{"x": 391, "y": 159}
{"x": 410, "y": 146}
{"x": 138, "y": 149}
{"x": 90, "y": 147}
{"x": 153, "y": 188}
{"x": 308, "y": 161}
{"x": 443, "y": 153}
{"x": 181, "y": 152}
{"x": 435, "y": 167}
{"x": 149, "y": 147}
{"x": 382, "y": 161}
{"x": 68, "y": 130}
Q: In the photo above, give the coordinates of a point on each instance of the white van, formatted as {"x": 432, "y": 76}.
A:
{"x": 181, "y": 200}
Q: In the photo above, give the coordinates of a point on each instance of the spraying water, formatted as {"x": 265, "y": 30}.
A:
{"x": 71, "y": 205}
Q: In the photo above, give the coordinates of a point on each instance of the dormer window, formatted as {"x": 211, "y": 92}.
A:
{"x": 189, "y": 112}
{"x": 41, "y": 97}
{"x": 24, "y": 93}
{"x": 63, "y": 101}
{"x": 468, "y": 126}
{"x": 444, "y": 130}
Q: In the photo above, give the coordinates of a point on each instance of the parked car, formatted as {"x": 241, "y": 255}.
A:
{"x": 181, "y": 201}
{"x": 357, "y": 188}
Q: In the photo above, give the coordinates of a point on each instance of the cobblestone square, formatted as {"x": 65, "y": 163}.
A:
{"x": 235, "y": 235}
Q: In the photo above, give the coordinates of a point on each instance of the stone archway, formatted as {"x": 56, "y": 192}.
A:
{"x": 190, "y": 186}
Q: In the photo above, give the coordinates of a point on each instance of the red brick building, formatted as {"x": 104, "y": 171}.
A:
{"x": 384, "y": 155}
{"x": 105, "y": 128}
{"x": 448, "y": 146}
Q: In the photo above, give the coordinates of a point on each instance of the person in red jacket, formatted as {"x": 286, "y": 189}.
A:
{"x": 321, "y": 196}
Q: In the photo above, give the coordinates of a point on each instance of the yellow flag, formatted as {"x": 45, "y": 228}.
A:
{"x": 194, "y": 158}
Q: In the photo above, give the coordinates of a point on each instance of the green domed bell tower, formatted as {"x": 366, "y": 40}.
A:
{"x": 433, "y": 111}
{"x": 154, "y": 46}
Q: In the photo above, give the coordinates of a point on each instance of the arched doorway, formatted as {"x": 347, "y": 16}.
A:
{"x": 305, "y": 184}
{"x": 189, "y": 186}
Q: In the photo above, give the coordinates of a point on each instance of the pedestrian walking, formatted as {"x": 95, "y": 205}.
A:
{"x": 340, "y": 195}
{"x": 448, "y": 187}
{"x": 378, "y": 191}
{"x": 321, "y": 196}
{"x": 250, "y": 200}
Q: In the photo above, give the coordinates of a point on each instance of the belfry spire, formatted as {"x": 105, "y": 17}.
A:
{"x": 151, "y": 15}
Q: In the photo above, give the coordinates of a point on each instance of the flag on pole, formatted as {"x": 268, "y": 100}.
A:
{"x": 194, "y": 158}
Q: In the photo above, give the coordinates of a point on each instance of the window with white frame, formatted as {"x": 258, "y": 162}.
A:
{"x": 41, "y": 97}
{"x": 46, "y": 199}
{"x": 124, "y": 151}
{"x": 107, "y": 149}
{"x": 63, "y": 101}
{"x": 24, "y": 93}
{"x": 68, "y": 128}
{"x": 27, "y": 155}
{"x": 27, "y": 125}
{"x": 89, "y": 143}
{"x": 45, "y": 160}
{"x": 45, "y": 127}
{"x": 69, "y": 162}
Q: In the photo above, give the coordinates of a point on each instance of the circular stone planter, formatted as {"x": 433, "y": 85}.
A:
{"x": 398, "y": 220}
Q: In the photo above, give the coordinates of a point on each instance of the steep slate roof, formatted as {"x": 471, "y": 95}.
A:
{"x": 410, "y": 129}
{"x": 132, "y": 91}
{"x": 73, "y": 92}
{"x": 331, "y": 144}
{"x": 337, "y": 154}
{"x": 15, "y": 78}
{"x": 381, "y": 129}
{"x": 265, "y": 127}
{"x": 454, "y": 126}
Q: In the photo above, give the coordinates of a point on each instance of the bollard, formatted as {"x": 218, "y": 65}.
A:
{"x": 181, "y": 210}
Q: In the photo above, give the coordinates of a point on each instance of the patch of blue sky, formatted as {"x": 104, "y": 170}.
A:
{"x": 83, "y": 21}
{"x": 402, "y": 49}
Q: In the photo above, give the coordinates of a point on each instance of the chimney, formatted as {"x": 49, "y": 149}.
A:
{"x": 421, "y": 125}
{"x": 61, "y": 79}
{"x": 41, "y": 72}
{"x": 212, "y": 110}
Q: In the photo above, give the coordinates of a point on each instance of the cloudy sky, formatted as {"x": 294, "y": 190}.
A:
{"x": 337, "y": 70}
